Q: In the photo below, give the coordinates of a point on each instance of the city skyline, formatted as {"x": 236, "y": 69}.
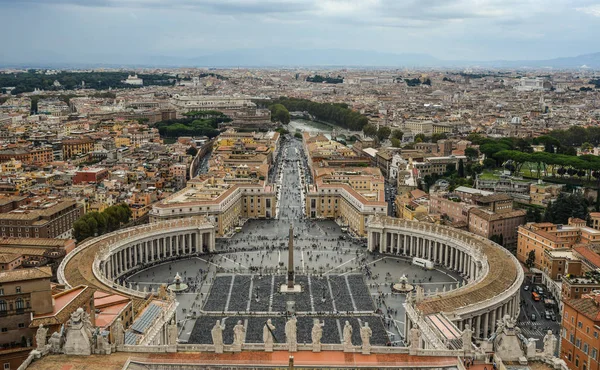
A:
{"x": 137, "y": 31}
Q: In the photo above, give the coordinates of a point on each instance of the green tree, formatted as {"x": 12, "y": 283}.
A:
{"x": 436, "y": 137}
{"x": 471, "y": 153}
{"x": 370, "y": 130}
{"x": 279, "y": 113}
{"x": 586, "y": 146}
{"x": 192, "y": 150}
{"x": 530, "y": 262}
{"x": 383, "y": 133}
{"x": 461, "y": 168}
{"x": 566, "y": 206}
{"x": 395, "y": 142}
{"x": 397, "y": 134}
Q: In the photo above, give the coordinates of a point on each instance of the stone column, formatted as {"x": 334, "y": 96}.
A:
{"x": 494, "y": 319}
{"x": 383, "y": 242}
{"x": 430, "y": 249}
{"x": 404, "y": 243}
{"x": 485, "y": 324}
{"x": 478, "y": 326}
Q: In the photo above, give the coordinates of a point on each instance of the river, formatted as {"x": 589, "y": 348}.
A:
{"x": 306, "y": 125}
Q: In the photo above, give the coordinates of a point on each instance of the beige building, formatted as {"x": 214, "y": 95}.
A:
{"x": 348, "y": 195}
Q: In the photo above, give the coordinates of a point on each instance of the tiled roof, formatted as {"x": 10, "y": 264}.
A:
{"x": 25, "y": 274}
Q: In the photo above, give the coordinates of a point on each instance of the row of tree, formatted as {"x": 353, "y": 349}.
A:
{"x": 336, "y": 113}
{"x": 191, "y": 127}
{"x": 30, "y": 80}
{"x": 97, "y": 223}
{"x": 279, "y": 113}
{"x": 325, "y": 79}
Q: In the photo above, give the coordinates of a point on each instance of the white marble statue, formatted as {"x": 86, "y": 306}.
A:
{"x": 365, "y": 336}
{"x": 54, "y": 342}
{"x": 347, "y": 337}
{"x": 40, "y": 337}
{"x": 415, "y": 338}
{"x": 467, "y": 336}
{"x": 268, "y": 336}
{"x": 217, "y": 336}
{"x": 78, "y": 341}
{"x": 239, "y": 336}
{"x": 549, "y": 344}
{"x": 317, "y": 334}
{"x": 291, "y": 334}
{"x": 118, "y": 334}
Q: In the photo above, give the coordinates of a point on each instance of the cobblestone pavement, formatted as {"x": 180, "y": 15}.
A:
{"x": 321, "y": 249}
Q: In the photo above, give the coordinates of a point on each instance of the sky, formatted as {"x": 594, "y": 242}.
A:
{"x": 120, "y": 31}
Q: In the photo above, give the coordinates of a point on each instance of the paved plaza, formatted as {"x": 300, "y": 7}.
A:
{"x": 341, "y": 280}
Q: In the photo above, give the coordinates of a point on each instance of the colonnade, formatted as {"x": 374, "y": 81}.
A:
{"x": 414, "y": 245}
{"x": 157, "y": 247}
{"x": 459, "y": 251}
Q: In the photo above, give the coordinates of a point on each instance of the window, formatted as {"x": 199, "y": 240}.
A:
{"x": 578, "y": 343}
{"x": 585, "y": 348}
{"x": 579, "y": 324}
{"x": 1, "y": 291}
{"x": 6, "y": 366}
{"x": 4, "y": 330}
{"x": 21, "y": 325}
{"x": 594, "y": 353}
{"x": 18, "y": 289}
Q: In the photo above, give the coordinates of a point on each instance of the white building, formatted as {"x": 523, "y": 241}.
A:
{"x": 134, "y": 80}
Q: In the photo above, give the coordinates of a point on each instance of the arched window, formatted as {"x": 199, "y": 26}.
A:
{"x": 3, "y": 306}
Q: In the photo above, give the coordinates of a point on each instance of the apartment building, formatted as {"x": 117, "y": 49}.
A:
{"x": 349, "y": 195}
{"x": 580, "y": 332}
{"x": 23, "y": 293}
{"x": 44, "y": 217}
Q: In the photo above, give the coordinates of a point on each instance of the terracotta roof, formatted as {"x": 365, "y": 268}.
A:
{"x": 586, "y": 306}
{"x": 588, "y": 254}
{"x": 65, "y": 303}
{"x": 6, "y": 257}
{"x": 26, "y": 274}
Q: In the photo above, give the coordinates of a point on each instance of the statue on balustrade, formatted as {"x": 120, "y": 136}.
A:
{"x": 549, "y": 344}
{"x": 40, "y": 337}
{"x": 467, "y": 338}
{"x": 365, "y": 336}
{"x": 79, "y": 337}
{"x": 217, "y": 336}
{"x": 268, "y": 337}
{"x": 317, "y": 334}
{"x": 239, "y": 336}
{"x": 118, "y": 334}
{"x": 291, "y": 333}
{"x": 348, "y": 337}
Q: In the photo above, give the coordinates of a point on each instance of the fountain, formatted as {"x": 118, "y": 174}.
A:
{"x": 402, "y": 286}
{"x": 178, "y": 285}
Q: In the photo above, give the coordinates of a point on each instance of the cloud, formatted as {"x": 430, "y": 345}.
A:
{"x": 593, "y": 10}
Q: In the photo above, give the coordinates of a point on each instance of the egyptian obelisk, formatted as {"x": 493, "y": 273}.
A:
{"x": 290, "y": 282}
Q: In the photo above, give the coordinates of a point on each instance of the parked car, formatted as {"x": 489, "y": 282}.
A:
{"x": 533, "y": 317}
{"x": 548, "y": 315}
{"x": 553, "y": 316}
{"x": 526, "y": 287}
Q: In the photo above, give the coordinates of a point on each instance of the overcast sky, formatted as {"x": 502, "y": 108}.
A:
{"x": 120, "y": 30}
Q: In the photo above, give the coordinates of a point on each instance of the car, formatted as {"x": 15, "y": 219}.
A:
{"x": 553, "y": 316}
{"x": 526, "y": 287}
{"x": 533, "y": 317}
{"x": 548, "y": 315}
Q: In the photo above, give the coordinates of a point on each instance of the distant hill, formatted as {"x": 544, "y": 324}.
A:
{"x": 278, "y": 57}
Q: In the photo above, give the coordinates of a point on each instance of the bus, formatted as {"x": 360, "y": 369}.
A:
{"x": 426, "y": 264}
